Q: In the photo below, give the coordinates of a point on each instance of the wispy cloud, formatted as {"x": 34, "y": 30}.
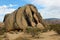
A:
{"x": 4, "y": 9}
{"x": 51, "y": 8}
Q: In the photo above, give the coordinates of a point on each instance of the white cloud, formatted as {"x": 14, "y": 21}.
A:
{"x": 7, "y": 8}
{"x": 1, "y": 18}
{"x": 51, "y": 8}
{"x": 10, "y": 5}
{"x": 4, "y": 9}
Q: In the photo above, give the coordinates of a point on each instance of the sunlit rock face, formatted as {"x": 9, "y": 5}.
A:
{"x": 22, "y": 18}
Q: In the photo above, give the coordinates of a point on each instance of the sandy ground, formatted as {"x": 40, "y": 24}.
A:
{"x": 51, "y": 35}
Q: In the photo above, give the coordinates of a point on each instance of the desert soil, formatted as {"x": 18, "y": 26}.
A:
{"x": 50, "y": 35}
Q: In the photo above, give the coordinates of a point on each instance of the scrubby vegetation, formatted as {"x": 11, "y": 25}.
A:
{"x": 2, "y": 30}
{"x": 33, "y": 31}
{"x": 55, "y": 27}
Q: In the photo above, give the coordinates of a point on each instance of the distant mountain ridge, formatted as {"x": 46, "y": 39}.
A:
{"x": 52, "y": 20}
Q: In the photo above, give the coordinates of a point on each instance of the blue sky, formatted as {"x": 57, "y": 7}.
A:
{"x": 47, "y": 8}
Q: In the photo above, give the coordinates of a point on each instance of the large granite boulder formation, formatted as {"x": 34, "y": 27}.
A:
{"x": 22, "y": 18}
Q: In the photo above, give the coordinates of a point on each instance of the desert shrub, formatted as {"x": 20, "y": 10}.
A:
{"x": 44, "y": 30}
{"x": 2, "y": 30}
{"x": 50, "y": 27}
{"x": 33, "y": 31}
{"x": 55, "y": 27}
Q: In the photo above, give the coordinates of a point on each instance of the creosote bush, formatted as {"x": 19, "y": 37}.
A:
{"x": 33, "y": 31}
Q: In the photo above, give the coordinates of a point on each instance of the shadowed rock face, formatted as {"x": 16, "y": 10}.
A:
{"x": 23, "y": 17}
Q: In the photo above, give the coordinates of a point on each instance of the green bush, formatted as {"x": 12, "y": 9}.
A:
{"x": 55, "y": 27}
{"x": 33, "y": 31}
